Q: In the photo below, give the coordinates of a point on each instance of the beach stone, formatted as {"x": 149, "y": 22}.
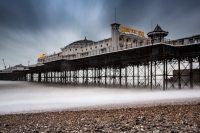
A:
{"x": 182, "y": 118}
{"x": 174, "y": 131}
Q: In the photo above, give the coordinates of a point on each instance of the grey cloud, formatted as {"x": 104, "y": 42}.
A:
{"x": 36, "y": 26}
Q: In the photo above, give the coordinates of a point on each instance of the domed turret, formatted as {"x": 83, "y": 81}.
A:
{"x": 80, "y": 42}
{"x": 157, "y": 35}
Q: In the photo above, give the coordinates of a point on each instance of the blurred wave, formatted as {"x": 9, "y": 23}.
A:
{"x": 19, "y": 96}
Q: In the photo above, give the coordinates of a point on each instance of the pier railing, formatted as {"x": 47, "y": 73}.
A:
{"x": 113, "y": 49}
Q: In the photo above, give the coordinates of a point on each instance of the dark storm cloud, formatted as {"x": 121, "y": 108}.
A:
{"x": 30, "y": 27}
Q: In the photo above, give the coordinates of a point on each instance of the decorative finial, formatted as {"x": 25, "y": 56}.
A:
{"x": 85, "y": 38}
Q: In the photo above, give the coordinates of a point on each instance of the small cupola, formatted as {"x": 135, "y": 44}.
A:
{"x": 157, "y": 34}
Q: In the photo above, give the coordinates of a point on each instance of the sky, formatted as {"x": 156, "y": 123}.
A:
{"x": 32, "y": 27}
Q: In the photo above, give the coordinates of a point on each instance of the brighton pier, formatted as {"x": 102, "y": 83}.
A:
{"x": 126, "y": 59}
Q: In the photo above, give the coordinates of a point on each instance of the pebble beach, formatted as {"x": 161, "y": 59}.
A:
{"x": 168, "y": 117}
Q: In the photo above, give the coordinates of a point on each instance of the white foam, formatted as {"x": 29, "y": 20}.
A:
{"x": 22, "y": 97}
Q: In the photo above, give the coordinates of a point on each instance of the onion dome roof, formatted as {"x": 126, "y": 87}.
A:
{"x": 81, "y": 42}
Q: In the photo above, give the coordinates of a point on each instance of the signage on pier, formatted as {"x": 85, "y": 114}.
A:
{"x": 41, "y": 55}
{"x": 129, "y": 30}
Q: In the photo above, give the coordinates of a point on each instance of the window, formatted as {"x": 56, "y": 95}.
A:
{"x": 91, "y": 48}
{"x": 107, "y": 44}
{"x": 75, "y": 49}
{"x": 70, "y": 49}
{"x": 101, "y": 45}
{"x": 95, "y": 46}
{"x": 86, "y": 49}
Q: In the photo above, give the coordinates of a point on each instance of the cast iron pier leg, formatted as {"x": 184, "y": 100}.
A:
{"x": 164, "y": 80}
{"x": 126, "y": 76}
{"x": 191, "y": 74}
{"x": 99, "y": 76}
{"x": 39, "y": 77}
{"x": 155, "y": 74}
{"x": 133, "y": 76}
{"x": 166, "y": 74}
{"x": 65, "y": 77}
{"x": 138, "y": 75}
{"x": 148, "y": 73}
{"x": 199, "y": 71}
{"x": 120, "y": 75}
{"x": 179, "y": 74}
{"x": 151, "y": 76}
{"x": 87, "y": 76}
{"x": 44, "y": 77}
{"x": 31, "y": 77}
{"x": 105, "y": 76}
{"x": 145, "y": 77}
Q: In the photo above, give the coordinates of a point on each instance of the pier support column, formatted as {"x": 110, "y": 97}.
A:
{"x": 83, "y": 76}
{"x": 51, "y": 77}
{"x": 166, "y": 74}
{"x": 179, "y": 74}
{"x": 44, "y": 76}
{"x": 164, "y": 80}
{"x": 92, "y": 75}
{"x": 114, "y": 76}
{"x": 54, "y": 77}
{"x": 155, "y": 74}
{"x": 70, "y": 77}
{"x": 105, "y": 76}
{"x": 145, "y": 76}
{"x": 199, "y": 70}
{"x": 78, "y": 76}
{"x": 39, "y": 77}
{"x": 138, "y": 75}
{"x": 99, "y": 76}
{"x": 148, "y": 73}
{"x": 31, "y": 77}
{"x": 95, "y": 75}
{"x": 87, "y": 80}
{"x": 120, "y": 75}
{"x": 61, "y": 77}
{"x": 67, "y": 77}
{"x": 126, "y": 82}
{"x": 151, "y": 80}
{"x": 191, "y": 73}
{"x": 133, "y": 76}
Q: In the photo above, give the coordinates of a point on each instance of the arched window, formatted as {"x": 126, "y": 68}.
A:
{"x": 121, "y": 41}
{"x": 128, "y": 41}
{"x": 135, "y": 41}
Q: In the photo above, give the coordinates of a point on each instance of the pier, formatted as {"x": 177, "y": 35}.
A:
{"x": 124, "y": 60}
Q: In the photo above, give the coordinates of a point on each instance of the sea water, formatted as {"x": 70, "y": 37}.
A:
{"x": 23, "y": 96}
